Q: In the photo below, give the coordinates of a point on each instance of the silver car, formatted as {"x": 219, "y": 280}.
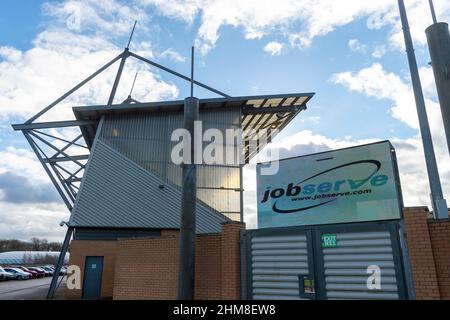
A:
{"x": 5, "y": 275}
{"x": 18, "y": 274}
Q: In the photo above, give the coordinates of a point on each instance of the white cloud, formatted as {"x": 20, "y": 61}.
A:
{"x": 60, "y": 58}
{"x": 173, "y": 55}
{"x": 24, "y": 221}
{"x": 379, "y": 51}
{"x": 299, "y": 21}
{"x": 184, "y": 10}
{"x": 22, "y": 162}
{"x": 374, "y": 81}
{"x": 274, "y": 48}
{"x": 357, "y": 46}
{"x": 110, "y": 18}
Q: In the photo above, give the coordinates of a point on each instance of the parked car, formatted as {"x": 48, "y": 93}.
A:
{"x": 33, "y": 273}
{"x": 18, "y": 274}
{"x": 63, "y": 271}
{"x": 5, "y": 275}
{"x": 48, "y": 271}
{"x": 40, "y": 272}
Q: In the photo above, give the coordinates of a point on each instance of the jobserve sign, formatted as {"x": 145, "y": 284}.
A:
{"x": 348, "y": 185}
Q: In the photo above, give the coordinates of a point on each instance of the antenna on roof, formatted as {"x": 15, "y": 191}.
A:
{"x": 129, "y": 99}
{"x": 134, "y": 82}
{"x": 131, "y": 35}
{"x": 192, "y": 71}
{"x": 433, "y": 13}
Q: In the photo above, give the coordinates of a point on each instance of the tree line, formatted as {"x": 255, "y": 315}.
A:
{"x": 35, "y": 244}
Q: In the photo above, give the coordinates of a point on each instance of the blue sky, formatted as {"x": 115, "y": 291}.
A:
{"x": 348, "y": 52}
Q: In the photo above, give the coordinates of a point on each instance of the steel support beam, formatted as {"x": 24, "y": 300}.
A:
{"x": 53, "y": 124}
{"x": 179, "y": 75}
{"x": 65, "y": 159}
{"x": 47, "y": 170}
{"x": 69, "y": 143}
{"x": 78, "y": 86}
{"x": 186, "y": 280}
{"x": 62, "y": 255}
{"x": 268, "y": 110}
{"x": 437, "y": 200}
{"x": 72, "y": 158}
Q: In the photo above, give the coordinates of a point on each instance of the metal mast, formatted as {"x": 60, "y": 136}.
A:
{"x": 438, "y": 202}
{"x": 438, "y": 39}
{"x": 186, "y": 280}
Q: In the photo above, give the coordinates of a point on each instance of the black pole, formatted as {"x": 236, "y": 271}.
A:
{"x": 186, "y": 281}
{"x": 62, "y": 255}
{"x": 437, "y": 200}
{"x": 192, "y": 71}
{"x": 438, "y": 38}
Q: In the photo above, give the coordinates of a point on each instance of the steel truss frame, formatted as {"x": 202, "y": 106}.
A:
{"x": 57, "y": 153}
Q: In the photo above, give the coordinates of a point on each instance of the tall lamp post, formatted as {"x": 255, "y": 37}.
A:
{"x": 437, "y": 200}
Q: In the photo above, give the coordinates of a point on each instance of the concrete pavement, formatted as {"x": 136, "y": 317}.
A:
{"x": 35, "y": 289}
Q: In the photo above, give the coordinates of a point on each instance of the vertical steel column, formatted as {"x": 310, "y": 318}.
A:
{"x": 186, "y": 280}
{"x": 433, "y": 13}
{"x": 62, "y": 255}
{"x": 239, "y": 160}
{"x": 438, "y": 201}
{"x": 438, "y": 39}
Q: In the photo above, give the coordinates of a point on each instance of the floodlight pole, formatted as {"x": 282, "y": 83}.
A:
{"x": 437, "y": 200}
{"x": 438, "y": 38}
{"x": 186, "y": 278}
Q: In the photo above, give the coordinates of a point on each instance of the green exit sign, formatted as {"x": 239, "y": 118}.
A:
{"x": 329, "y": 241}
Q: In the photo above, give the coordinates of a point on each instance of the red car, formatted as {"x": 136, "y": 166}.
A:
{"x": 33, "y": 273}
{"x": 40, "y": 272}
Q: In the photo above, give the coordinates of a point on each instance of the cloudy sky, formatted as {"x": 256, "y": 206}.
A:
{"x": 350, "y": 52}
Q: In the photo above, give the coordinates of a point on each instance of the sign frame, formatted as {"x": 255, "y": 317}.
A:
{"x": 393, "y": 169}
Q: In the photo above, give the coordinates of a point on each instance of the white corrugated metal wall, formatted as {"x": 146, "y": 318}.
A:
{"x": 218, "y": 186}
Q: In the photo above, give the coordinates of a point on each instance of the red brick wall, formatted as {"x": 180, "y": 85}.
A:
{"x": 429, "y": 250}
{"x": 148, "y": 268}
{"x": 440, "y": 239}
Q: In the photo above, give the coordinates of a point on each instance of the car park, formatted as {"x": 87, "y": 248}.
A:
{"x": 18, "y": 274}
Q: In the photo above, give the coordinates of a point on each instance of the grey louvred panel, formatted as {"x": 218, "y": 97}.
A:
{"x": 346, "y": 266}
{"x": 118, "y": 193}
{"x": 276, "y": 263}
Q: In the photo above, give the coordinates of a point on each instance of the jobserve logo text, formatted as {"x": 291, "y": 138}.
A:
{"x": 317, "y": 190}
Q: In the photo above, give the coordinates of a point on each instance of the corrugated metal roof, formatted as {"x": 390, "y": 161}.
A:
{"x": 118, "y": 193}
{"x": 258, "y": 112}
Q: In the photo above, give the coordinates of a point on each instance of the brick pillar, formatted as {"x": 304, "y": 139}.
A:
{"x": 231, "y": 260}
{"x": 421, "y": 253}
